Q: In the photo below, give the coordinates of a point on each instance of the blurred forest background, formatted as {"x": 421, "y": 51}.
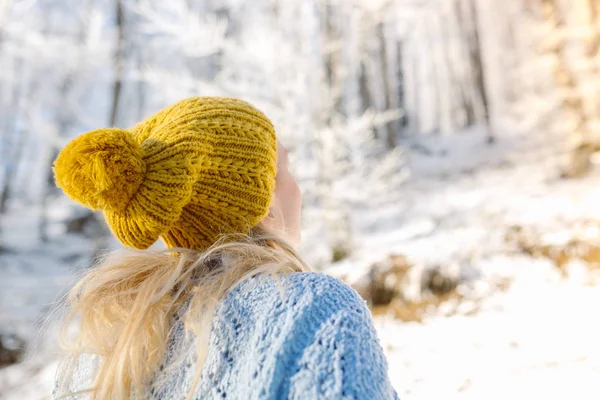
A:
{"x": 446, "y": 150}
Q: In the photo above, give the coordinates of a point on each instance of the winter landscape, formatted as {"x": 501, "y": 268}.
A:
{"x": 446, "y": 150}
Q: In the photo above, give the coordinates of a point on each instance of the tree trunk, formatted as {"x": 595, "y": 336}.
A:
{"x": 436, "y": 68}
{"x": 464, "y": 84}
{"x": 475, "y": 50}
{"x": 119, "y": 62}
{"x": 365, "y": 94}
{"x": 401, "y": 90}
{"x": 581, "y": 149}
{"x": 11, "y": 153}
{"x": 454, "y": 82}
{"x": 391, "y": 126}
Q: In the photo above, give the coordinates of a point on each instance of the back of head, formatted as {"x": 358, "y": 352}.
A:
{"x": 197, "y": 169}
{"x": 200, "y": 175}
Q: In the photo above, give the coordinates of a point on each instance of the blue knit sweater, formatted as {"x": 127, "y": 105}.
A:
{"x": 317, "y": 342}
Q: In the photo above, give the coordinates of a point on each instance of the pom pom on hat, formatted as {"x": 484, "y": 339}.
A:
{"x": 101, "y": 169}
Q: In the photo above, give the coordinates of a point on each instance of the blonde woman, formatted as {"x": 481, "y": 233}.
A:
{"x": 229, "y": 310}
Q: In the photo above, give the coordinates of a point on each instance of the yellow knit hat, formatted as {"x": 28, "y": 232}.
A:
{"x": 192, "y": 171}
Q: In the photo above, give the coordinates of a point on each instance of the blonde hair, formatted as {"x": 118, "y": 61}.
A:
{"x": 122, "y": 308}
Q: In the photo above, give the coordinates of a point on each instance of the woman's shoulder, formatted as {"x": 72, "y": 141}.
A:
{"x": 301, "y": 327}
{"x": 293, "y": 293}
{"x": 309, "y": 280}
{"x": 316, "y": 280}
{"x": 323, "y": 289}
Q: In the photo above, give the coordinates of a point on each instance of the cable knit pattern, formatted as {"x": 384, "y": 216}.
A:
{"x": 317, "y": 342}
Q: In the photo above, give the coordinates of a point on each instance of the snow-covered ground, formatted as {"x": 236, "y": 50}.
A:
{"x": 538, "y": 340}
{"x": 536, "y": 337}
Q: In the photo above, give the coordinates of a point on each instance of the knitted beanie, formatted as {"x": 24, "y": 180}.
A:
{"x": 194, "y": 170}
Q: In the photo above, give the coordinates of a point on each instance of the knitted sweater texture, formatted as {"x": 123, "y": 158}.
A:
{"x": 315, "y": 342}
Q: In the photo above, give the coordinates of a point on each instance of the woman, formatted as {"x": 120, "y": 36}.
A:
{"x": 229, "y": 310}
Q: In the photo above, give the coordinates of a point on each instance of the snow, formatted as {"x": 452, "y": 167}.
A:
{"x": 536, "y": 337}
{"x": 538, "y": 340}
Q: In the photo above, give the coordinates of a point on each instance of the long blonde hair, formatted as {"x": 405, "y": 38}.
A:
{"x": 122, "y": 309}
